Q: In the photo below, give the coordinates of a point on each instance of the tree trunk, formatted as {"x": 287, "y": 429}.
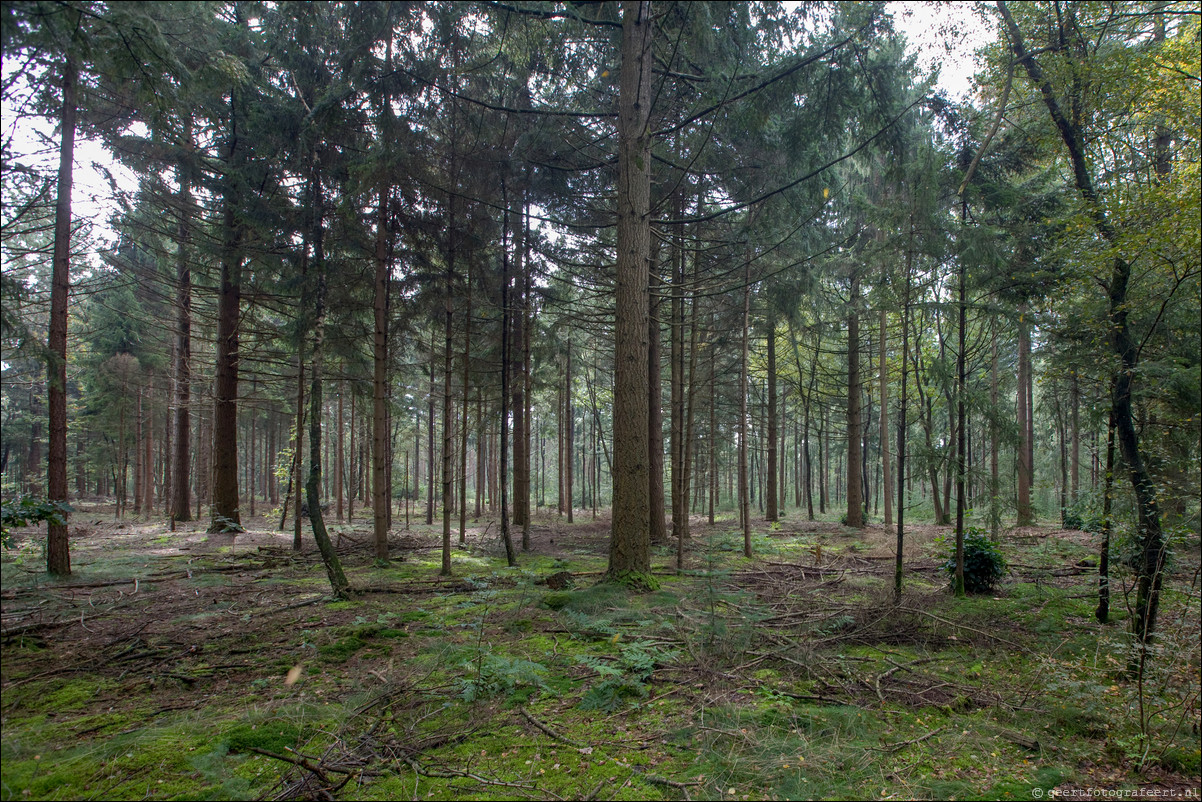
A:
{"x": 629, "y": 549}
{"x": 181, "y": 501}
{"x": 570, "y": 428}
{"x": 448, "y": 421}
{"x": 224, "y": 515}
{"x": 506, "y": 538}
{"x": 1102, "y": 613}
{"x": 1025, "y": 513}
{"x": 379, "y": 385}
{"x": 430, "y": 440}
{"x": 655, "y": 422}
{"x": 855, "y": 497}
{"x": 901, "y": 425}
{"x": 772, "y": 492}
{"x": 467, "y": 378}
{"x": 886, "y": 466}
{"x": 961, "y": 427}
{"x": 338, "y": 583}
{"x": 58, "y": 555}
{"x": 744, "y": 487}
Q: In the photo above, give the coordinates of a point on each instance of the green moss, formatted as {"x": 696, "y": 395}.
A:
{"x": 272, "y": 735}
{"x": 341, "y": 650}
{"x": 557, "y": 600}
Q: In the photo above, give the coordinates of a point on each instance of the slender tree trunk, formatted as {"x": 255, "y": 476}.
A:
{"x": 961, "y": 427}
{"x": 744, "y": 488}
{"x": 340, "y": 453}
{"x": 772, "y": 491}
{"x": 855, "y": 495}
{"x": 1102, "y": 613}
{"x": 448, "y": 420}
{"x": 629, "y": 550}
{"x": 1075, "y": 454}
{"x": 516, "y": 385}
{"x": 903, "y": 398}
{"x": 655, "y": 423}
{"x": 570, "y": 431}
{"x": 139, "y": 463}
{"x": 58, "y": 555}
{"x": 467, "y": 377}
{"x": 995, "y": 482}
{"x": 1026, "y": 515}
{"x": 430, "y": 440}
{"x": 712, "y": 434}
{"x": 181, "y": 502}
{"x": 886, "y": 460}
{"x": 338, "y": 583}
{"x": 506, "y": 538}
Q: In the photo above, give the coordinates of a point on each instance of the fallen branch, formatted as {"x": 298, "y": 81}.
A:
{"x": 897, "y": 747}
{"x": 546, "y": 729}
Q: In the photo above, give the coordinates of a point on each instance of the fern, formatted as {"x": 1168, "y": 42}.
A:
{"x": 499, "y": 675}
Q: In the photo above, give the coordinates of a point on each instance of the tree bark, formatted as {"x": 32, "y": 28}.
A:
{"x": 772, "y": 492}
{"x": 379, "y": 385}
{"x": 338, "y": 583}
{"x": 886, "y": 460}
{"x": 655, "y": 422}
{"x": 181, "y": 500}
{"x": 855, "y": 496}
{"x": 224, "y": 516}
{"x": 744, "y": 486}
{"x": 58, "y": 555}
{"x": 629, "y": 549}
{"x": 1026, "y": 516}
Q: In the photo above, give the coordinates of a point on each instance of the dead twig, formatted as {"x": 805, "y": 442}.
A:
{"x": 546, "y": 729}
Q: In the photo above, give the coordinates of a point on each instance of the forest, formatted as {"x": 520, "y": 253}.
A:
{"x": 504, "y": 399}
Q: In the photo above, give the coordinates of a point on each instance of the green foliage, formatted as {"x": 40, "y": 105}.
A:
{"x": 624, "y": 678}
{"x": 28, "y": 510}
{"x": 984, "y": 565}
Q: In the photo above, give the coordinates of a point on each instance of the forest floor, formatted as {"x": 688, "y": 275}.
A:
{"x": 173, "y": 665}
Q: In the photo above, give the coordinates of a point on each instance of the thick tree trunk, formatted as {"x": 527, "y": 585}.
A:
{"x": 58, "y": 555}
{"x": 379, "y": 387}
{"x": 629, "y": 549}
{"x": 224, "y": 516}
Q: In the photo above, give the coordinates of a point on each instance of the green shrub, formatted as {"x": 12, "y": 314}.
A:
{"x": 984, "y": 564}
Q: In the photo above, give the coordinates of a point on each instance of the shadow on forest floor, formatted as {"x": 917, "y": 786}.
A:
{"x": 178, "y": 665}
